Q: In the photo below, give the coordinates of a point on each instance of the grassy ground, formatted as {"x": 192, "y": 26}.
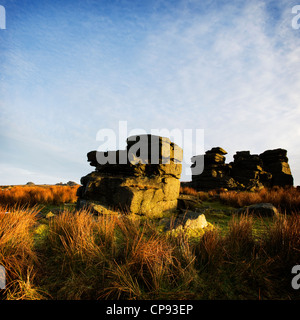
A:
{"x": 50, "y": 251}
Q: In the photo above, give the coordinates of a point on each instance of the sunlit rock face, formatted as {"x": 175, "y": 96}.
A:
{"x": 143, "y": 179}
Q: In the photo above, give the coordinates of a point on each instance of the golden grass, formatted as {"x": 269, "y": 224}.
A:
{"x": 80, "y": 256}
{"x": 202, "y": 195}
{"x": 286, "y": 199}
{"x": 80, "y": 235}
{"x": 209, "y": 249}
{"x": 283, "y": 238}
{"x": 31, "y": 195}
{"x": 188, "y": 190}
{"x": 116, "y": 257}
{"x": 17, "y": 253}
{"x": 239, "y": 238}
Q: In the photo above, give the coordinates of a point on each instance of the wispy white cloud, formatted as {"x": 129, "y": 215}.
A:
{"x": 230, "y": 69}
{"x": 238, "y": 82}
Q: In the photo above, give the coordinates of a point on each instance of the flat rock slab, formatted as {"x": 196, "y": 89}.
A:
{"x": 188, "y": 220}
{"x": 193, "y": 220}
{"x": 96, "y": 208}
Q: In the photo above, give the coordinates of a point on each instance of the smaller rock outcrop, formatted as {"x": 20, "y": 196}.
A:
{"x": 247, "y": 171}
{"x": 216, "y": 173}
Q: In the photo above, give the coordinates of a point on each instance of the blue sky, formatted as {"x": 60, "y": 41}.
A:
{"x": 71, "y": 68}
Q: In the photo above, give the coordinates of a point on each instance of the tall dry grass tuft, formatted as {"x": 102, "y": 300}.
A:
{"x": 209, "y": 250}
{"x": 239, "y": 239}
{"x": 81, "y": 237}
{"x": 202, "y": 195}
{"x": 189, "y": 191}
{"x": 149, "y": 265}
{"x": 77, "y": 249}
{"x": 239, "y": 199}
{"x": 283, "y": 239}
{"x": 277, "y": 252}
{"x": 24, "y": 288}
{"x": 111, "y": 257}
{"x": 32, "y": 195}
{"x": 145, "y": 267}
{"x": 17, "y": 253}
{"x": 285, "y": 199}
{"x": 81, "y": 256}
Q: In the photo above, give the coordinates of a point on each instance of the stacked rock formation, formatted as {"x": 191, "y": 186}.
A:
{"x": 276, "y": 162}
{"x": 246, "y": 172}
{"x": 247, "y": 169}
{"x": 216, "y": 173}
{"x": 143, "y": 179}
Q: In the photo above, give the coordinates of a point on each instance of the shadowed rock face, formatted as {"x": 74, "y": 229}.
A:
{"x": 216, "y": 173}
{"x": 276, "y": 162}
{"x": 259, "y": 209}
{"x": 142, "y": 179}
{"x": 246, "y": 172}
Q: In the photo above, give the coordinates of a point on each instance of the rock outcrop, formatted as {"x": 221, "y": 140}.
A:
{"x": 216, "y": 173}
{"x": 143, "y": 179}
{"x": 276, "y": 162}
{"x": 246, "y": 172}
